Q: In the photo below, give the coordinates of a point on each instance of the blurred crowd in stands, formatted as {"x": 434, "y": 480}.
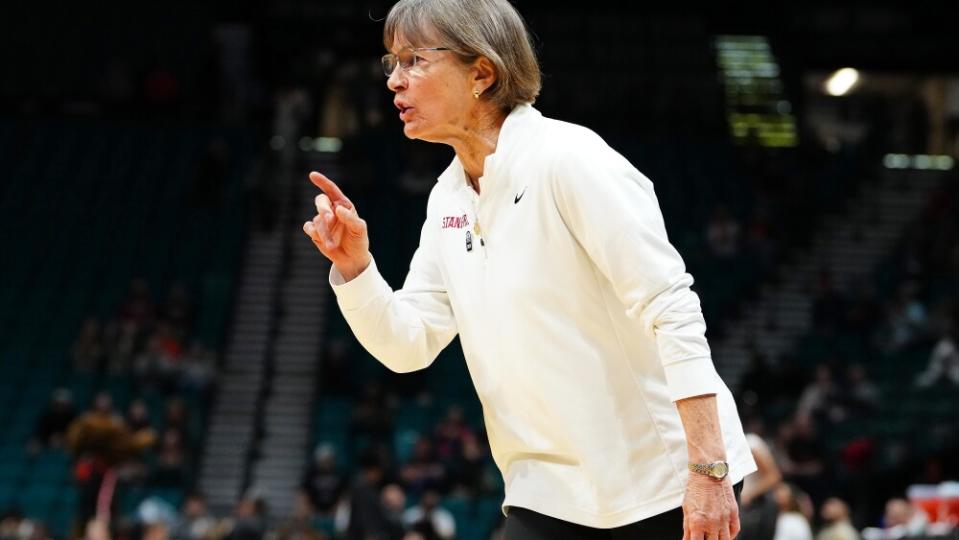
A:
{"x": 148, "y": 341}
{"x": 142, "y": 354}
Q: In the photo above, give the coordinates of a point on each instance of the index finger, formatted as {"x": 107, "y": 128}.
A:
{"x": 330, "y": 188}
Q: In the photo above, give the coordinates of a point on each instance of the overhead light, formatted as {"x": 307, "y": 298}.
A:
{"x": 327, "y": 144}
{"x": 841, "y": 82}
{"x": 922, "y": 162}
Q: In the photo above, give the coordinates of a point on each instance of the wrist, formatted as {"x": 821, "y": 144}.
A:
{"x": 350, "y": 272}
{"x": 709, "y": 453}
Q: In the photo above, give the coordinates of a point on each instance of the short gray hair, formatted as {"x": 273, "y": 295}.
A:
{"x": 474, "y": 28}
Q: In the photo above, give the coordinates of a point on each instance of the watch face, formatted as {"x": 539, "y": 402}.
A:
{"x": 719, "y": 470}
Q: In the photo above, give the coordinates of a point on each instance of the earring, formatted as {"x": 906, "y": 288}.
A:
{"x": 476, "y": 94}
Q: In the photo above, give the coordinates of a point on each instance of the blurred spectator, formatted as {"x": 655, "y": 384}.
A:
{"x": 902, "y": 516}
{"x": 323, "y": 483}
{"x": 103, "y": 432}
{"x": 799, "y": 454}
{"x": 100, "y": 440}
{"x": 195, "y": 521}
{"x": 176, "y": 417}
{"x": 423, "y": 470}
{"x": 759, "y": 507}
{"x": 861, "y": 394}
{"x": 456, "y": 447}
{"x": 96, "y": 529}
{"x": 88, "y": 349}
{"x": 858, "y": 455}
{"x": 198, "y": 369}
{"x": 466, "y": 473}
{"x": 451, "y": 434}
{"x": 151, "y": 510}
{"x": 428, "y": 515}
{"x": 821, "y": 398}
{"x": 124, "y": 338}
{"x": 138, "y": 416}
{"x": 51, "y": 426}
{"x": 900, "y": 520}
{"x": 363, "y": 516}
{"x": 177, "y": 310}
{"x": 171, "y": 465}
{"x": 159, "y": 365}
{"x": 137, "y": 306}
{"x": 943, "y": 362}
{"x": 393, "y": 501}
{"x": 722, "y": 233}
{"x": 791, "y": 524}
{"x": 156, "y": 531}
{"x": 906, "y": 318}
{"x": 249, "y": 519}
{"x": 836, "y": 523}
{"x": 299, "y": 526}
{"x": 14, "y": 526}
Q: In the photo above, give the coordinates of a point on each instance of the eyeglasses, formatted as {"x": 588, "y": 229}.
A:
{"x": 405, "y": 59}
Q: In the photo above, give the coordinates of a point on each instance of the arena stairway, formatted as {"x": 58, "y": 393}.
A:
{"x": 304, "y": 293}
{"x": 223, "y": 476}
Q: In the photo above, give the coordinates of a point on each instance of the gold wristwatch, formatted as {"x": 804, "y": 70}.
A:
{"x": 716, "y": 469}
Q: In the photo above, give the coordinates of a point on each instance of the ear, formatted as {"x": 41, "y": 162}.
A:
{"x": 483, "y": 74}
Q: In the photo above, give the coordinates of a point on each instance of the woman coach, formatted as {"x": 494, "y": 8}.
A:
{"x": 545, "y": 250}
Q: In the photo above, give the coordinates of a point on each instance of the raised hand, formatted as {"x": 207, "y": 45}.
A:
{"x": 337, "y": 230}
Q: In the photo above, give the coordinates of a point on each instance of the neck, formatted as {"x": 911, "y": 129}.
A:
{"x": 476, "y": 141}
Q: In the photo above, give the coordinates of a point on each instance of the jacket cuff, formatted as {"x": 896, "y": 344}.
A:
{"x": 359, "y": 291}
{"x": 691, "y": 378}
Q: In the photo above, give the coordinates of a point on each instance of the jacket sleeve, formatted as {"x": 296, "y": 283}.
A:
{"x": 612, "y": 211}
{"x": 404, "y": 329}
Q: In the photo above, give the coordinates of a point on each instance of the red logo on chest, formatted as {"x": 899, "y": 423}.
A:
{"x": 456, "y": 222}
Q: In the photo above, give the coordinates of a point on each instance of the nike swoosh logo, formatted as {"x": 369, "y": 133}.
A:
{"x": 520, "y": 196}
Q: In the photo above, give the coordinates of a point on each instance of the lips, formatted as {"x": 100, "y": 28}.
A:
{"x": 405, "y": 109}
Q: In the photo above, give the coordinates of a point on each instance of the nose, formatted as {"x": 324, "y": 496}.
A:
{"x": 396, "y": 81}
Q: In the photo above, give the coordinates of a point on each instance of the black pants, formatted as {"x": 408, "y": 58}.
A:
{"x": 525, "y": 524}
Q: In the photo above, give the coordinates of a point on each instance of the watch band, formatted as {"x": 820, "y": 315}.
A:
{"x": 717, "y": 469}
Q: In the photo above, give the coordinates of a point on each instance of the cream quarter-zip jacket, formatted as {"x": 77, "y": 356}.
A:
{"x": 576, "y": 320}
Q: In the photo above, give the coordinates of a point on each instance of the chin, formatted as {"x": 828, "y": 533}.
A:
{"x": 416, "y": 130}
